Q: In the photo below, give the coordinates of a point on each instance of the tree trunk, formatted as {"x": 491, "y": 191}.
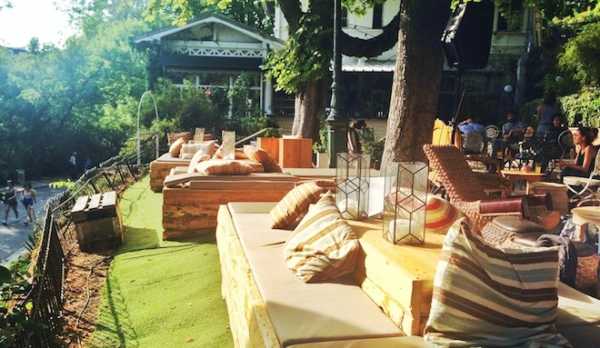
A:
{"x": 308, "y": 106}
{"x": 417, "y": 76}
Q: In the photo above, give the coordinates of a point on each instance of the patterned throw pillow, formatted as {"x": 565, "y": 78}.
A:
{"x": 484, "y": 296}
{"x": 175, "y": 148}
{"x": 323, "y": 246}
{"x": 440, "y": 216}
{"x": 226, "y": 167}
{"x": 262, "y": 156}
{"x": 294, "y": 205}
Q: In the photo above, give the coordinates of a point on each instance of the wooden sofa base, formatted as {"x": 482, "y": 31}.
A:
{"x": 248, "y": 318}
{"x": 193, "y": 210}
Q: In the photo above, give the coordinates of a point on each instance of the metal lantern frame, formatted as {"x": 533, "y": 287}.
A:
{"x": 405, "y": 198}
{"x": 352, "y": 176}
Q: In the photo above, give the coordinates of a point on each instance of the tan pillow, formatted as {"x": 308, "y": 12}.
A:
{"x": 294, "y": 205}
{"x": 323, "y": 246}
{"x": 225, "y": 167}
{"x": 198, "y": 157}
{"x": 259, "y": 155}
{"x": 239, "y": 154}
{"x": 187, "y": 136}
{"x": 175, "y": 148}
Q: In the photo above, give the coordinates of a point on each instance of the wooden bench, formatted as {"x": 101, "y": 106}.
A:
{"x": 96, "y": 221}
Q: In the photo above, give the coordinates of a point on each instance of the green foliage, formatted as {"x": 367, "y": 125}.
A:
{"x": 304, "y": 58}
{"x": 62, "y": 185}
{"x": 580, "y": 56}
{"x": 244, "y": 101}
{"x": 14, "y": 318}
{"x": 583, "y": 107}
{"x": 371, "y": 146}
{"x": 323, "y": 142}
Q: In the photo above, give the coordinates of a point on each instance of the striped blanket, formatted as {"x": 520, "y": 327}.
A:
{"x": 485, "y": 296}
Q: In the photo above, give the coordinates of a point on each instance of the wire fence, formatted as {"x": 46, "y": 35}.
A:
{"x": 46, "y": 294}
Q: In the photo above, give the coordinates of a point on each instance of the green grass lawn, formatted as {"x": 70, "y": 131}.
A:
{"x": 160, "y": 294}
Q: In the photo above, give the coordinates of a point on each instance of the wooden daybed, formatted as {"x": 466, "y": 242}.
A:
{"x": 161, "y": 167}
{"x": 389, "y": 295}
{"x": 191, "y": 201}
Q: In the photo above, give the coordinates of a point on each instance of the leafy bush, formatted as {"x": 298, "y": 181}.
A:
{"x": 580, "y": 56}
{"x": 583, "y": 107}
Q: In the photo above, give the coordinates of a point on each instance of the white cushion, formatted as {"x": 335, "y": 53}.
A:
{"x": 579, "y": 181}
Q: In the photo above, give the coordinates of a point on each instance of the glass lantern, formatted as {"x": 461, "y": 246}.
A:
{"x": 352, "y": 182}
{"x": 228, "y": 146}
{"x": 199, "y": 135}
{"x": 405, "y": 200}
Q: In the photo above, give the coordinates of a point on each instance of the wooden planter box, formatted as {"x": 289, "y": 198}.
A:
{"x": 96, "y": 222}
{"x": 295, "y": 153}
{"x": 269, "y": 144}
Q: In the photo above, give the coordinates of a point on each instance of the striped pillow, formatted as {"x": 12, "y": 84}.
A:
{"x": 294, "y": 205}
{"x": 485, "y": 296}
{"x": 323, "y": 246}
{"x": 440, "y": 216}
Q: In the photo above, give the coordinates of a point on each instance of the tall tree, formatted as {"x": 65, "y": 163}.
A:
{"x": 417, "y": 77}
{"x": 302, "y": 67}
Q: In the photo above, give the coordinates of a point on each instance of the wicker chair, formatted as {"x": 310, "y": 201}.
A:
{"x": 467, "y": 193}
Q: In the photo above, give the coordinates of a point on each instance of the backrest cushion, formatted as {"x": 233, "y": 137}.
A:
{"x": 323, "y": 246}
{"x": 262, "y": 156}
{"x": 239, "y": 154}
{"x": 485, "y": 296}
{"x": 175, "y": 147}
{"x": 227, "y": 167}
{"x": 187, "y": 136}
{"x": 294, "y": 205}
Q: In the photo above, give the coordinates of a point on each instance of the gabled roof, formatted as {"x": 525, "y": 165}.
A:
{"x": 157, "y": 35}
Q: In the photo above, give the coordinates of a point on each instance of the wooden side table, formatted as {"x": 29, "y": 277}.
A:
{"x": 527, "y": 177}
{"x": 295, "y": 152}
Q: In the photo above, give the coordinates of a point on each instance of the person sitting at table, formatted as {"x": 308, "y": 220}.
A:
{"x": 512, "y": 132}
{"x": 583, "y": 138}
{"x": 473, "y": 135}
{"x": 550, "y": 148}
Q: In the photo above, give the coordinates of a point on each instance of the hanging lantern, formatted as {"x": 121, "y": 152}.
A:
{"x": 405, "y": 201}
{"x": 352, "y": 182}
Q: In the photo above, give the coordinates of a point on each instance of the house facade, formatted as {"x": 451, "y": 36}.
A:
{"x": 368, "y": 81}
{"x": 211, "y": 52}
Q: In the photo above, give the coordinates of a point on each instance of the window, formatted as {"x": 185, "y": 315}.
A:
{"x": 510, "y": 16}
{"x": 378, "y": 16}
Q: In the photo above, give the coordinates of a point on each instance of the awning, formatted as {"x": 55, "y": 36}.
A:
{"x": 352, "y": 64}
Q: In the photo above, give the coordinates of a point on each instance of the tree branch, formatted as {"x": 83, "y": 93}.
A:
{"x": 356, "y": 47}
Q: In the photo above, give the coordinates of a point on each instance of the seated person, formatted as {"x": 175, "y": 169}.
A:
{"x": 512, "y": 133}
{"x": 583, "y": 137}
{"x": 550, "y": 148}
{"x": 473, "y": 135}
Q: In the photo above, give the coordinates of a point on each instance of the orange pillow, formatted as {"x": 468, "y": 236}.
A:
{"x": 294, "y": 205}
{"x": 187, "y": 136}
{"x": 225, "y": 167}
{"x": 175, "y": 148}
{"x": 259, "y": 155}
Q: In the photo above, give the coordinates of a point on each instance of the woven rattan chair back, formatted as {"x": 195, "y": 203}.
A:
{"x": 454, "y": 173}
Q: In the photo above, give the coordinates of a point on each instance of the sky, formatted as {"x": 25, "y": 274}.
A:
{"x": 34, "y": 18}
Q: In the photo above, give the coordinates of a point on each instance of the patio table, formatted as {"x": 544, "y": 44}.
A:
{"x": 527, "y": 177}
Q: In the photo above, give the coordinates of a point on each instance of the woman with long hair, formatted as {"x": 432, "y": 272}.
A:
{"x": 583, "y": 138}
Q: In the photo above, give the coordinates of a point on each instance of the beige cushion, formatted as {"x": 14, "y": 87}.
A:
{"x": 207, "y": 149}
{"x": 388, "y": 342}
{"x": 226, "y": 167}
{"x": 292, "y": 208}
{"x": 323, "y": 246}
{"x": 304, "y": 312}
{"x": 239, "y": 154}
{"x": 578, "y": 316}
{"x": 175, "y": 148}
{"x": 166, "y": 158}
{"x": 262, "y": 156}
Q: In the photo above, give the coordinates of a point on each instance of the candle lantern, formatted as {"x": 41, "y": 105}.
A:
{"x": 405, "y": 200}
{"x": 228, "y": 145}
{"x": 352, "y": 182}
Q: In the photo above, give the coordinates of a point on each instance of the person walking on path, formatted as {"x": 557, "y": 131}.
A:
{"x": 73, "y": 165}
{"x": 10, "y": 201}
{"x": 29, "y": 199}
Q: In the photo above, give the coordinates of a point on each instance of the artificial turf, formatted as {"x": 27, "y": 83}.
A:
{"x": 160, "y": 294}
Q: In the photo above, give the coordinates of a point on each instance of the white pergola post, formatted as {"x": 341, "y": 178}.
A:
{"x": 268, "y": 96}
